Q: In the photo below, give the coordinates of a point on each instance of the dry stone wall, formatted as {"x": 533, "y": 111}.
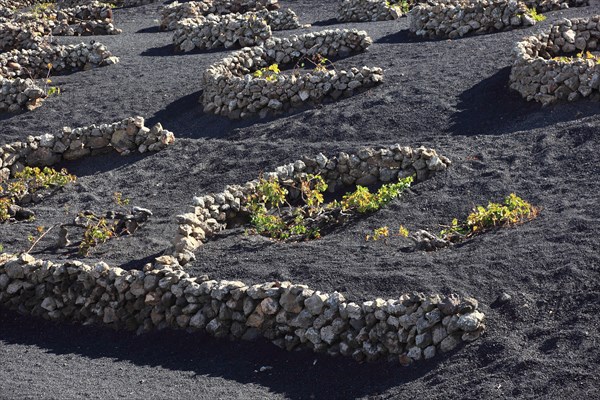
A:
{"x": 280, "y": 20}
{"x": 215, "y": 31}
{"x": 173, "y": 13}
{"x": 409, "y": 328}
{"x": 456, "y": 18}
{"x": 116, "y": 3}
{"x": 16, "y": 94}
{"x": 23, "y": 35}
{"x": 125, "y": 137}
{"x": 82, "y": 20}
{"x": 368, "y": 10}
{"x": 34, "y": 62}
{"x": 369, "y": 166}
{"x": 551, "y": 5}
{"x": 231, "y": 90}
{"x": 545, "y": 70}
{"x": 230, "y": 30}
{"x": 27, "y": 49}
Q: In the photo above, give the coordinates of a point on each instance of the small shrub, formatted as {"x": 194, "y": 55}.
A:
{"x": 270, "y": 73}
{"x": 272, "y": 215}
{"x": 378, "y": 233}
{"x": 40, "y": 10}
{"x": 535, "y": 15}
{"x": 402, "y": 231}
{"x": 588, "y": 55}
{"x": 362, "y": 200}
{"x": 513, "y": 211}
{"x": 50, "y": 90}
{"x": 403, "y": 6}
{"x": 119, "y": 200}
{"x": 28, "y": 182}
{"x": 98, "y": 231}
{"x": 319, "y": 63}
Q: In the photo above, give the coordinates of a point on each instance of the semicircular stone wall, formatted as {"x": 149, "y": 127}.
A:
{"x": 210, "y": 213}
{"x": 215, "y": 31}
{"x": 368, "y": 10}
{"x": 175, "y": 12}
{"x": 125, "y": 137}
{"x": 28, "y": 50}
{"x": 456, "y": 18}
{"x": 552, "y": 5}
{"x": 407, "y": 328}
{"x": 553, "y": 65}
{"x": 94, "y": 18}
{"x": 231, "y": 89}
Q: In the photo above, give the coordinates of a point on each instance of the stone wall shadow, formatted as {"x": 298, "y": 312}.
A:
{"x": 328, "y": 22}
{"x": 297, "y": 375}
{"x": 403, "y": 36}
{"x": 169, "y": 50}
{"x": 91, "y": 165}
{"x": 490, "y": 107}
{"x": 186, "y": 118}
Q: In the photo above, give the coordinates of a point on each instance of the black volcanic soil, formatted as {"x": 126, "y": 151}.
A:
{"x": 449, "y": 95}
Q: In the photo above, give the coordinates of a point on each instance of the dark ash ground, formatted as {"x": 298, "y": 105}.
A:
{"x": 449, "y": 95}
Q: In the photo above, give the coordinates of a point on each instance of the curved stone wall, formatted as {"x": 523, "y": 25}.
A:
{"x": 456, "y": 18}
{"x": 175, "y": 12}
{"x": 27, "y": 49}
{"x": 125, "y": 137}
{"x": 34, "y": 62}
{"x": 229, "y": 30}
{"x": 545, "y": 68}
{"x": 116, "y": 3}
{"x": 368, "y": 10}
{"x": 369, "y": 166}
{"x": 232, "y": 91}
{"x": 81, "y": 20}
{"x": 215, "y": 31}
{"x": 16, "y": 94}
{"x": 552, "y": 5}
{"x": 409, "y": 328}
{"x": 22, "y": 35}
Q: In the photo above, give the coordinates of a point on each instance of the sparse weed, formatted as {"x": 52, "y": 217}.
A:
{"x": 119, "y": 200}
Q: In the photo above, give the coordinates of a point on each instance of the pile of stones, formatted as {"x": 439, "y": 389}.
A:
{"x": 212, "y": 212}
{"x": 34, "y": 63}
{"x": 409, "y": 328}
{"x": 545, "y": 70}
{"x": 368, "y": 10}
{"x": 231, "y": 89}
{"x": 125, "y": 137}
{"x": 456, "y": 18}
{"x": 171, "y": 14}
